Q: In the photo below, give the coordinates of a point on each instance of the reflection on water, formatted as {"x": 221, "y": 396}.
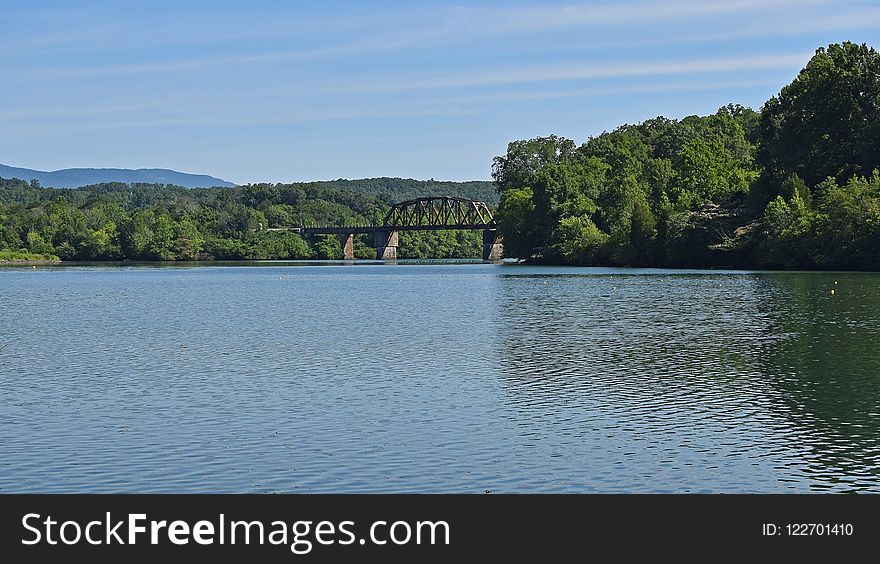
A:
{"x": 437, "y": 378}
{"x": 827, "y": 373}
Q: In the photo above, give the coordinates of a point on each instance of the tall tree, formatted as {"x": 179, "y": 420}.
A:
{"x": 827, "y": 121}
{"x": 518, "y": 167}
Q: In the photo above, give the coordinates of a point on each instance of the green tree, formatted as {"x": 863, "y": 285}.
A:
{"x": 328, "y": 247}
{"x": 36, "y": 244}
{"x": 136, "y": 235}
{"x": 581, "y": 242}
{"x": 188, "y": 243}
{"x": 708, "y": 172}
{"x": 827, "y": 121}
{"x": 516, "y": 169}
{"x": 643, "y": 233}
{"x": 161, "y": 245}
{"x": 849, "y": 223}
{"x": 790, "y": 226}
{"x": 516, "y": 217}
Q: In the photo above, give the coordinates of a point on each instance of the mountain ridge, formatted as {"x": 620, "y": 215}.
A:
{"x": 77, "y": 177}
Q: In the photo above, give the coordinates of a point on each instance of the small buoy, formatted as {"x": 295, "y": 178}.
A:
{"x": 835, "y": 282}
{"x": 832, "y": 291}
{"x": 34, "y": 266}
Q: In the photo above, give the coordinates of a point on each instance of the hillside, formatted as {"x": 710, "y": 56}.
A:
{"x": 388, "y": 188}
{"x": 397, "y": 189}
{"x": 76, "y": 177}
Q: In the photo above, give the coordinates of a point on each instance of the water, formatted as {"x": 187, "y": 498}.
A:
{"x": 437, "y": 378}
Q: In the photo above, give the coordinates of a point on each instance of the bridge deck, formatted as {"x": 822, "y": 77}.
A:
{"x": 432, "y": 213}
{"x": 331, "y": 229}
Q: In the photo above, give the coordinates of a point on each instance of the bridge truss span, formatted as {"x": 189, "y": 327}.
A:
{"x": 431, "y": 213}
{"x": 440, "y": 212}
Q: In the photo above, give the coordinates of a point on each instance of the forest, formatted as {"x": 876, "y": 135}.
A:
{"x": 151, "y": 222}
{"x": 794, "y": 185}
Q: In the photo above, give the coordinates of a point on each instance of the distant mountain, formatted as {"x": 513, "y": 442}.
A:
{"x": 76, "y": 177}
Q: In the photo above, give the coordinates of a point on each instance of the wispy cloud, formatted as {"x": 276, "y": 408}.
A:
{"x": 799, "y": 23}
{"x": 52, "y": 112}
{"x": 597, "y": 91}
{"x": 552, "y": 73}
{"x": 178, "y": 66}
{"x": 430, "y": 28}
{"x": 420, "y": 22}
{"x": 273, "y": 112}
{"x": 217, "y": 118}
{"x": 549, "y": 17}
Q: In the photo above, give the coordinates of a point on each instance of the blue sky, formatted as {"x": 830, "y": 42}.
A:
{"x": 286, "y": 91}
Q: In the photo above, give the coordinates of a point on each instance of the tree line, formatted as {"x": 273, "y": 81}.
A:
{"x": 795, "y": 185}
{"x": 157, "y": 222}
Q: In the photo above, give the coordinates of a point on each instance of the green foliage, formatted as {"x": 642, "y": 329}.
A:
{"x": 643, "y": 233}
{"x": 624, "y": 195}
{"x": 440, "y": 244}
{"x": 391, "y": 190}
{"x": 794, "y": 185}
{"x": 516, "y": 218}
{"x": 842, "y": 232}
{"x": 328, "y": 247}
{"x": 153, "y": 222}
{"x": 789, "y": 224}
{"x": 827, "y": 121}
{"x": 579, "y": 241}
{"x": 848, "y": 229}
{"x": 25, "y": 256}
{"x": 707, "y": 172}
{"x": 524, "y": 159}
{"x": 736, "y": 188}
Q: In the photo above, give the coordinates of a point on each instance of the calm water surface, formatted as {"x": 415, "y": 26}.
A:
{"x": 437, "y": 378}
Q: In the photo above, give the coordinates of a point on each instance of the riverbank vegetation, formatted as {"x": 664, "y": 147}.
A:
{"x": 793, "y": 186}
{"x": 25, "y": 257}
{"x": 157, "y": 222}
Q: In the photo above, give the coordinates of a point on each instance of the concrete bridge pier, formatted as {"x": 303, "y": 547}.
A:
{"x": 493, "y": 248}
{"x": 386, "y": 245}
{"x": 347, "y": 241}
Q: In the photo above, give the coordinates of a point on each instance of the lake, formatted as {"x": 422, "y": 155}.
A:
{"x": 437, "y": 377}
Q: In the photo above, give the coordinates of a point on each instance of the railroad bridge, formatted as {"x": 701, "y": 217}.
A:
{"x": 422, "y": 214}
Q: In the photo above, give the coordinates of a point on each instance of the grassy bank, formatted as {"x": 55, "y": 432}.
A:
{"x": 17, "y": 257}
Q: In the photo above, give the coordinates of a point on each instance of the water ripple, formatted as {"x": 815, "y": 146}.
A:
{"x": 437, "y": 378}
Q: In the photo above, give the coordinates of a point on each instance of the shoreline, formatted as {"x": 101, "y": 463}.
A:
{"x": 29, "y": 262}
{"x": 508, "y": 262}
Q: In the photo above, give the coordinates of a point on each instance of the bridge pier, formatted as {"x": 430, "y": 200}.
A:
{"x": 493, "y": 248}
{"x": 347, "y": 241}
{"x": 432, "y": 213}
{"x": 386, "y": 245}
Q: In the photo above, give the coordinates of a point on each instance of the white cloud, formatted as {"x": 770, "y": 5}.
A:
{"x": 217, "y": 118}
{"x": 548, "y": 73}
{"x": 424, "y": 28}
{"x": 677, "y": 86}
{"x": 546, "y": 18}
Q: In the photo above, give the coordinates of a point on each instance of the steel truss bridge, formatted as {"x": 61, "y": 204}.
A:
{"x": 433, "y": 213}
